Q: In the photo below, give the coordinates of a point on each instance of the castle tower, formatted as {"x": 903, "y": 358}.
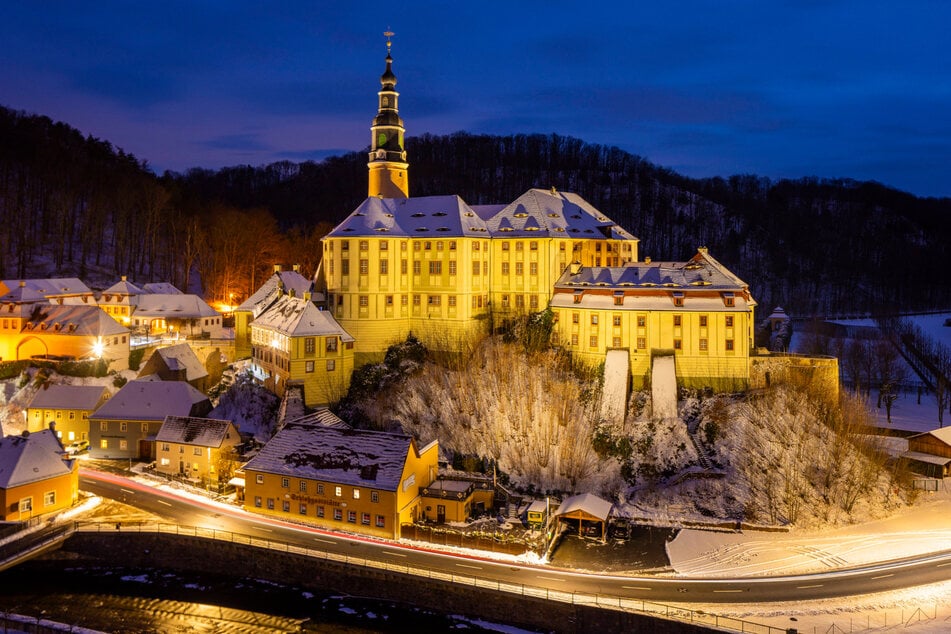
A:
{"x": 388, "y": 166}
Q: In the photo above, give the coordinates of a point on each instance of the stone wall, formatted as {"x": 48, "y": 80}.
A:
{"x": 193, "y": 554}
{"x": 821, "y": 373}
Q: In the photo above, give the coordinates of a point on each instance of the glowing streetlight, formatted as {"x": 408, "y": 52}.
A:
{"x": 98, "y": 348}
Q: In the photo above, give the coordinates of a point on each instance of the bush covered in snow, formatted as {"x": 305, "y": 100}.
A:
{"x": 251, "y": 407}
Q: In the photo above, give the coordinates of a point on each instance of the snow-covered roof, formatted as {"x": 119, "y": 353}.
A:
{"x": 53, "y": 287}
{"x": 926, "y": 457}
{"x": 181, "y": 357}
{"x": 73, "y": 319}
{"x": 778, "y": 313}
{"x": 586, "y": 503}
{"x": 281, "y": 282}
{"x": 550, "y": 213}
{"x": 200, "y": 432}
{"x": 150, "y": 400}
{"x": 323, "y": 417}
{"x": 356, "y": 457}
{"x": 60, "y": 396}
{"x": 297, "y": 317}
{"x": 123, "y": 287}
{"x": 31, "y": 457}
{"x": 161, "y": 288}
{"x": 174, "y": 306}
{"x": 943, "y": 434}
{"x": 19, "y": 293}
{"x": 424, "y": 217}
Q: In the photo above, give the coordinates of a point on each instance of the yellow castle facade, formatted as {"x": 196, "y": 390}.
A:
{"x": 450, "y": 273}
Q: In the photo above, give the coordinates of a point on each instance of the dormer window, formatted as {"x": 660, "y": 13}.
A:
{"x": 678, "y": 299}
{"x": 728, "y": 300}
{"x": 578, "y": 295}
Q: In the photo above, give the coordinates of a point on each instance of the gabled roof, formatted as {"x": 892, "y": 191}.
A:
{"x": 548, "y": 213}
{"x": 280, "y": 283}
{"x": 31, "y": 457}
{"x": 431, "y": 217}
{"x": 323, "y": 417}
{"x": 19, "y": 293}
{"x": 150, "y": 400}
{"x": 181, "y": 357}
{"x": 355, "y": 457}
{"x": 123, "y": 287}
{"x": 85, "y": 397}
{"x": 943, "y": 434}
{"x": 53, "y": 287}
{"x": 161, "y": 288}
{"x": 173, "y": 306}
{"x": 200, "y": 432}
{"x": 296, "y": 317}
{"x": 73, "y": 319}
{"x": 586, "y": 503}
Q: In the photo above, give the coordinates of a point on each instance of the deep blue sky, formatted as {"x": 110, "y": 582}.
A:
{"x": 781, "y": 89}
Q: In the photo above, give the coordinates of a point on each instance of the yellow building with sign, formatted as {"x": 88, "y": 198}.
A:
{"x": 337, "y": 478}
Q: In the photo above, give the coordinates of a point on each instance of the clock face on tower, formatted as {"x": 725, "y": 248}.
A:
{"x": 381, "y": 140}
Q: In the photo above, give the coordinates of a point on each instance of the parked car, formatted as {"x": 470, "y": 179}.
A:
{"x": 79, "y": 446}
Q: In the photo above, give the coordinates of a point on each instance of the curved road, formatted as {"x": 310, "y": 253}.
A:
{"x": 186, "y": 511}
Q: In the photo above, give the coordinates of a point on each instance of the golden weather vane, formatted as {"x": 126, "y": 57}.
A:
{"x": 388, "y": 34}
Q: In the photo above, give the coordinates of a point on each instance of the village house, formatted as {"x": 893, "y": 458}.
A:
{"x": 35, "y": 476}
{"x": 198, "y": 449}
{"x": 177, "y": 362}
{"x": 929, "y": 453}
{"x": 68, "y": 407}
{"x": 456, "y": 500}
{"x": 186, "y": 315}
{"x": 293, "y": 342}
{"x": 126, "y": 425}
{"x": 280, "y": 284}
{"x": 337, "y": 478}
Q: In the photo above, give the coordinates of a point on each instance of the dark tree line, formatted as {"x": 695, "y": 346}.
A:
{"x": 815, "y": 246}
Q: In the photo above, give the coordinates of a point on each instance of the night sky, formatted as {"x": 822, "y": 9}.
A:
{"x": 781, "y": 89}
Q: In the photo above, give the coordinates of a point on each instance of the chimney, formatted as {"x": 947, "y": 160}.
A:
{"x": 647, "y": 260}
{"x": 277, "y": 268}
{"x": 296, "y": 268}
{"x": 702, "y": 250}
{"x": 123, "y": 278}
{"x": 575, "y": 267}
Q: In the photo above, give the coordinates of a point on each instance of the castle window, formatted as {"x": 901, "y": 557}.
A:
{"x": 435, "y": 267}
{"x": 416, "y": 300}
{"x": 678, "y": 319}
{"x": 703, "y": 321}
{"x": 519, "y": 268}
{"x": 331, "y": 344}
{"x": 617, "y": 320}
{"x": 505, "y": 245}
{"x": 533, "y": 246}
{"x": 593, "y": 342}
{"x": 452, "y": 301}
{"x": 364, "y": 245}
{"x": 574, "y": 340}
{"x": 475, "y": 268}
{"x": 364, "y": 301}
{"x": 533, "y": 268}
{"x": 452, "y": 245}
{"x": 519, "y": 246}
{"x": 417, "y": 267}
{"x": 389, "y": 301}
{"x": 427, "y": 246}
{"x": 677, "y": 344}
{"x": 533, "y": 302}
{"x": 641, "y": 321}
{"x": 308, "y": 366}
{"x": 703, "y": 345}
{"x": 594, "y": 319}
{"x": 616, "y": 342}
{"x": 403, "y": 267}
{"x": 641, "y": 343}
{"x": 364, "y": 266}
{"x": 575, "y": 318}
{"x": 729, "y": 321}
{"x": 384, "y": 267}
{"x": 729, "y": 345}
{"x": 345, "y": 267}
{"x": 416, "y": 245}
{"x": 505, "y": 268}
{"x": 452, "y": 267}
{"x": 505, "y": 301}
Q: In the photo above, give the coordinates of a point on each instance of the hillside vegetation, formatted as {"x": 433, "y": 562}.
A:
{"x": 786, "y": 457}
{"x": 77, "y": 204}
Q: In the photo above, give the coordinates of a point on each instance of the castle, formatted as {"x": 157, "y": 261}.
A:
{"x": 450, "y": 273}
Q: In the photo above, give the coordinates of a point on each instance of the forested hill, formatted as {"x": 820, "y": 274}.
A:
{"x": 813, "y": 246}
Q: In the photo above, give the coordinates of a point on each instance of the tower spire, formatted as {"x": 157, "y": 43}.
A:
{"x": 387, "y": 160}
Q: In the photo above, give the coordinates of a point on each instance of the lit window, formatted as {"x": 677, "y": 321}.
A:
{"x": 356, "y": 494}
{"x": 594, "y": 319}
{"x": 49, "y": 499}
{"x": 196, "y": 451}
{"x": 617, "y": 320}
{"x": 124, "y": 445}
{"x": 703, "y": 345}
{"x": 505, "y": 268}
{"x": 302, "y": 486}
{"x": 352, "y": 517}
{"x": 365, "y": 519}
{"x": 308, "y": 366}
{"x": 641, "y": 343}
{"x": 452, "y": 267}
{"x": 259, "y": 478}
{"x": 380, "y": 521}
{"x": 593, "y": 343}
{"x": 574, "y": 340}
{"x": 364, "y": 266}
{"x": 309, "y": 345}
{"x": 519, "y": 268}
{"x": 285, "y": 482}
{"x": 641, "y": 321}
{"x": 338, "y": 491}
{"x": 331, "y": 365}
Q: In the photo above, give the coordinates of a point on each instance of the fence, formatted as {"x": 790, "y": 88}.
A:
{"x": 462, "y": 540}
{"x": 648, "y": 608}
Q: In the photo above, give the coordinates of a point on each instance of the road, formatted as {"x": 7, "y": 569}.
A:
{"x": 186, "y": 511}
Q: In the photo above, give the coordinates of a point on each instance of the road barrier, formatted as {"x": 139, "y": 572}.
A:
{"x": 610, "y": 602}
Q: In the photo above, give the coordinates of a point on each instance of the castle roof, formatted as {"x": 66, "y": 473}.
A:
{"x": 430, "y": 217}
{"x": 550, "y": 213}
{"x": 271, "y": 290}
{"x": 173, "y": 306}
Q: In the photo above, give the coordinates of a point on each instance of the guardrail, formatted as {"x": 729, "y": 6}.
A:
{"x": 650, "y": 608}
